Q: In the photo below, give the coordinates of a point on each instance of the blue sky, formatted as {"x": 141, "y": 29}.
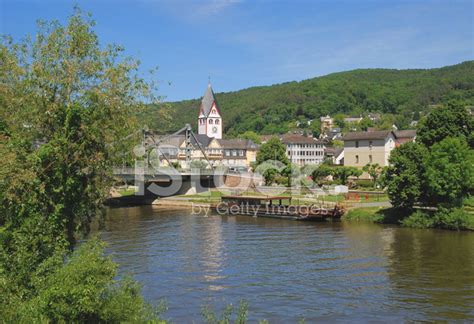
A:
{"x": 242, "y": 43}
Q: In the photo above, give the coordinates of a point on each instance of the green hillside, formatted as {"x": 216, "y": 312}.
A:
{"x": 402, "y": 94}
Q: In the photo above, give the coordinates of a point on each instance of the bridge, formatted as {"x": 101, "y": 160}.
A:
{"x": 166, "y": 181}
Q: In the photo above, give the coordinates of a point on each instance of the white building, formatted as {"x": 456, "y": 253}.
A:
{"x": 210, "y": 119}
{"x": 302, "y": 150}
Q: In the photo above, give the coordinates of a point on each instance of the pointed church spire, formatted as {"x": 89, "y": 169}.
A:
{"x": 208, "y": 100}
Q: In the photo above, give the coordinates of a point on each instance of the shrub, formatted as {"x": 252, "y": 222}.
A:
{"x": 419, "y": 219}
{"x": 455, "y": 219}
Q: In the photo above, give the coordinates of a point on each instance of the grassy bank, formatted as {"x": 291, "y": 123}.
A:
{"x": 457, "y": 219}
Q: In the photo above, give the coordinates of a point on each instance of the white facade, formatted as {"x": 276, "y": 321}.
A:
{"x": 210, "y": 119}
{"x": 305, "y": 153}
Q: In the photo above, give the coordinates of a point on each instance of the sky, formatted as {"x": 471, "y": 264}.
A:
{"x": 244, "y": 43}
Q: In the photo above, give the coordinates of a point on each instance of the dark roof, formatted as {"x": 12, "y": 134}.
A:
{"x": 376, "y": 135}
{"x": 333, "y": 151}
{"x": 237, "y": 144}
{"x": 207, "y": 101}
{"x": 297, "y": 139}
{"x": 408, "y": 133}
{"x": 203, "y": 139}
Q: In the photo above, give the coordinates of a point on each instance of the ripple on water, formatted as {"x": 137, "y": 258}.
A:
{"x": 289, "y": 270}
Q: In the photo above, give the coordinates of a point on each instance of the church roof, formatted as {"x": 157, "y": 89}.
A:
{"x": 207, "y": 101}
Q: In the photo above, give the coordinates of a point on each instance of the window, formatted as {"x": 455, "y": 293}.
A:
{"x": 370, "y": 158}
{"x": 357, "y": 159}
{"x": 210, "y": 121}
{"x": 370, "y": 144}
{"x": 217, "y": 122}
{"x": 227, "y": 153}
{"x": 241, "y": 152}
{"x": 357, "y": 144}
{"x": 234, "y": 153}
{"x": 213, "y": 111}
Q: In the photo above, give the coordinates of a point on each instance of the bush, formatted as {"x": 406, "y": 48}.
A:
{"x": 419, "y": 219}
{"x": 456, "y": 219}
{"x": 82, "y": 290}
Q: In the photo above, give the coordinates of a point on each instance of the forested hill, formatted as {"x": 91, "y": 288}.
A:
{"x": 404, "y": 94}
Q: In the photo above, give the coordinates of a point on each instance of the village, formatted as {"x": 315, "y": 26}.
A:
{"x": 354, "y": 148}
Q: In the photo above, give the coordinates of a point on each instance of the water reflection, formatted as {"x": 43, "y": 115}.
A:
{"x": 289, "y": 270}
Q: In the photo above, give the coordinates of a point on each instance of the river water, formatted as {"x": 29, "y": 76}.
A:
{"x": 289, "y": 270}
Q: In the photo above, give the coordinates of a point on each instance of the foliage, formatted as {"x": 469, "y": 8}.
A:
{"x": 316, "y": 127}
{"x": 250, "y": 135}
{"x": 292, "y": 173}
{"x": 452, "y": 120}
{"x": 419, "y": 219}
{"x": 374, "y": 171}
{"x": 400, "y": 95}
{"x": 342, "y": 173}
{"x": 449, "y": 173}
{"x": 371, "y": 214}
{"x": 321, "y": 173}
{"x": 66, "y": 104}
{"x": 199, "y": 164}
{"x": 83, "y": 290}
{"x": 454, "y": 219}
{"x": 210, "y": 316}
{"x": 404, "y": 176}
{"x": 272, "y": 150}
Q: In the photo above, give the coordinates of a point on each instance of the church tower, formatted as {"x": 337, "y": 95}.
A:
{"x": 210, "y": 119}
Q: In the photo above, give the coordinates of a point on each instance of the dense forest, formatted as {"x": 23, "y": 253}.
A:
{"x": 404, "y": 95}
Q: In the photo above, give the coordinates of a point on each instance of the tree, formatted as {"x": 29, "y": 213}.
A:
{"x": 67, "y": 105}
{"x": 321, "y": 173}
{"x": 449, "y": 172}
{"x": 272, "y": 150}
{"x": 451, "y": 120}
{"x": 365, "y": 123}
{"x": 316, "y": 127}
{"x": 292, "y": 171}
{"x": 404, "y": 176}
{"x": 251, "y": 135}
{"x": 342, "y": 173}
{"x": 374, "y": 171}
{"x": 199, "y": 164}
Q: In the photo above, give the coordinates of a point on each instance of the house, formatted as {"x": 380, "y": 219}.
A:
{"x": 352, "y": 120}
{"x": 240, "y": 153}
{"x": 303, "y": 150}
{"x": 362, "y": 148}
{"x": 210, "y": 118}
{"x": 404, "y": 136}
{"x": 326, "y": 123}
{"x": 335, "y": 154}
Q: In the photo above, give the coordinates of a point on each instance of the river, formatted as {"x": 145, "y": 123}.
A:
{"x": 289, "y": 270}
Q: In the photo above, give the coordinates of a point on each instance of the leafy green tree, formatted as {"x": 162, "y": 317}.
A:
{"x": 251, "y": 135}
{"x": 321, "y": 173}
{"x": 342, "y": 173}
{"x": 365, "y": 123}
{"x": 272, "y": 150}
{"x": 68, "y": 106}
{"x": 316, "y": 127}
{"x": 449, "y": 172}
{"x": 292, "y": 172}
{"x": 374, "y": 171}
{"x": 404, "y": 176}
{"x": 83, "y": 290}
{"x": 199, "y": 164}
{"x": 339, "y": 121}
{"x": 451, "y": 120}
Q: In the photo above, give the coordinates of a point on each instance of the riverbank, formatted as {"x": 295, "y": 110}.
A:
{"x": 458, "y": 219}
